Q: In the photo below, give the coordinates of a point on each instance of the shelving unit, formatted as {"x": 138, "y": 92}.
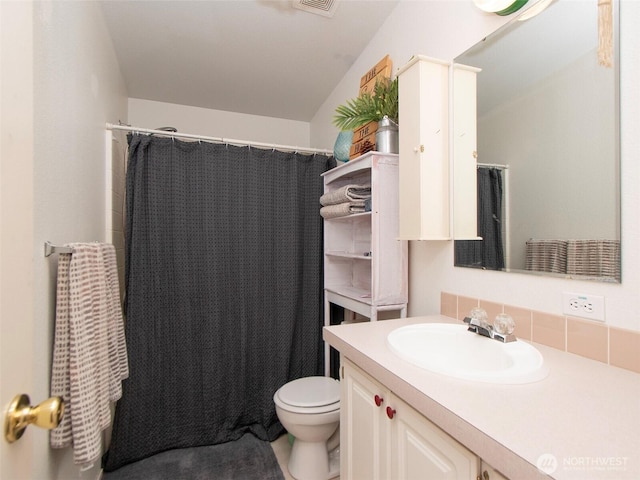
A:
{"x": 365, "y": 264}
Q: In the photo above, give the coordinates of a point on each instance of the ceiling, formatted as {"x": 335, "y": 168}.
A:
{"x": 260, "y": 57}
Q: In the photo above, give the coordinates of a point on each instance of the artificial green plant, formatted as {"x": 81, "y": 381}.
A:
{"x": 369, "y": 107}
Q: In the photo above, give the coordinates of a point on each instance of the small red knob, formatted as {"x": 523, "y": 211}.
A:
{"x": 378, "y": 399}
{"x": 390, "y": 412}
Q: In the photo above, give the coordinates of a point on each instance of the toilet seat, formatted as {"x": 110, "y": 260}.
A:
{"x": 310, "y": 395}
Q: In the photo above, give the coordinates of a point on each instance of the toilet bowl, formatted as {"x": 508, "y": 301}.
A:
{"x": 309, "y": 409}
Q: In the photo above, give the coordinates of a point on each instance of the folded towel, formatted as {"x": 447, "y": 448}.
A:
{"x": 546, "y": 255}
{"x": 89, "y": 352}
{"x": 348, "y": 193}
{"x": 342, "y": 209}
{"x": 590, "y": 258}
{"x": 594, "y": 258}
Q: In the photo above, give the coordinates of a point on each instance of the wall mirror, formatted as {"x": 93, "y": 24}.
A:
{"x": 548, "y": 141}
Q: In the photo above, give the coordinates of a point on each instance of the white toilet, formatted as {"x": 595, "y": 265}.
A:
{"x": 309, "y": 408}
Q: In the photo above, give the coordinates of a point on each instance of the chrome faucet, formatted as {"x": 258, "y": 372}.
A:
{"x": 501, "y": 330}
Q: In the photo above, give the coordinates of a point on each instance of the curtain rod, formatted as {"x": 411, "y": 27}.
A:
{"x": 493, "y": 165}
{"x": 128, "y": 128}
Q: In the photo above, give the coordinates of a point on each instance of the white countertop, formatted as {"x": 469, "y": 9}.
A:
{"x": 585, "y": 414}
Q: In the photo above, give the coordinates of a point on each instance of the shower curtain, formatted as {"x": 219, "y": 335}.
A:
{"x": 223, "y": 291}
{"x": 487, "y": 253}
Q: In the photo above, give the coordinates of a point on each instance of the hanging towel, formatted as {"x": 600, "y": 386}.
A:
{"x": 342, "y": 209}
{"x": 89, "y": 352}
{"x": 348, "y": 193}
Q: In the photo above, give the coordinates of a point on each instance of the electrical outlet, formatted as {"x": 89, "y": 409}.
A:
{"x": 583, "y": 305}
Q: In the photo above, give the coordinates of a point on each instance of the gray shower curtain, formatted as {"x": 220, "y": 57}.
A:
{"x": 487, "y": 253}
{"x": 223, "y": 291}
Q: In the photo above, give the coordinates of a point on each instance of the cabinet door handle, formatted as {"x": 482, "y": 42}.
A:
{"x": 390, "y": 412}
{"x": 378, "y": 399}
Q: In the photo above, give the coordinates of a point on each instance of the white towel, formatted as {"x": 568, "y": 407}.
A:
{"x": 342, "y": 209}
{"x": 348, "y": 193}
{"x": 89, "y": 353}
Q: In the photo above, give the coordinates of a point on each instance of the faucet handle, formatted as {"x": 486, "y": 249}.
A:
{"x": 479, "y": 318}
{"x": 504, "y": 324}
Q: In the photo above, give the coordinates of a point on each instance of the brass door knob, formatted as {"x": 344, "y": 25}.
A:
{"x": 21, "y": 414}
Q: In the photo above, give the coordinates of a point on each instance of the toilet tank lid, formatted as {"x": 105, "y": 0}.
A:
{"x": 310, "y": 392}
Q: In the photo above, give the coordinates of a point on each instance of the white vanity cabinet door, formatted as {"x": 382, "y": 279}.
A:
{"x": 364, "y": 429}
{"x": 422, "y": 450}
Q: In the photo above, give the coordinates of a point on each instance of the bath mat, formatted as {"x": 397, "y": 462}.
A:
{"x": 245, "y": 459}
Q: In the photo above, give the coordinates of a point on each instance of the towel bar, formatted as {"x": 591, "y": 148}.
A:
{"x": 50, "y": 249}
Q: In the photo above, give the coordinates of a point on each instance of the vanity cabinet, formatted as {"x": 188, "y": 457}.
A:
{"x": 382, "y": 437}
{"x": 423, "y": 86}
{"x": 365, "y": 265}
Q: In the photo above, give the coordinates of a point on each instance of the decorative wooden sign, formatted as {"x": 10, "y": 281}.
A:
{"x": 364, "y": 138}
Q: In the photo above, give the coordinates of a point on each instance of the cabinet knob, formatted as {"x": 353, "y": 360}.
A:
{"x": 419, "y": 149}
{"x": 378, "y": 399}
{"x": 390, "y": 412}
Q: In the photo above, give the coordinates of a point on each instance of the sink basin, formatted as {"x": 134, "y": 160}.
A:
{"x": 450, "y": 349}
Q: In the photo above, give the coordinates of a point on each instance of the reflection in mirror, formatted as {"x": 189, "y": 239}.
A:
{"x": 548, "y": 148}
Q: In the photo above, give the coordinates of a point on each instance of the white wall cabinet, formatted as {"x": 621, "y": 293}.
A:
{"x": 423, "y": 85}
{"x": 465, "y": 153}
{"x": 365, "y": 265}
{"x": 382, "y": 437}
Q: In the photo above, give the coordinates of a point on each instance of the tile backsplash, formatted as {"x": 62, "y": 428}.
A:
{"x": 597, "y": 341}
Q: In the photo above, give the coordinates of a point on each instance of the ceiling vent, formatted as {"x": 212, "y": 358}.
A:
{"x": 326, "y": 8}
